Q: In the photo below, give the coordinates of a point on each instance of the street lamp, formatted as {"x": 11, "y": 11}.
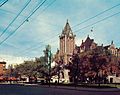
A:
{"x": 49, "y": 55}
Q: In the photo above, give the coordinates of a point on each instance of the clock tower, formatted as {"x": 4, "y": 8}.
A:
{"x": 67, "y": 43}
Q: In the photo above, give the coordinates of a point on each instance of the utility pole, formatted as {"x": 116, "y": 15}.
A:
{"x": 49, "y": 57}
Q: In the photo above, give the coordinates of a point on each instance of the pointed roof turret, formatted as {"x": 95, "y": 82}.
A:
{"x": 67, "y": 28}
{"x": 112, "y": 42}
{"x": 67, "y": 31}
{"x": 82, "y": 41}
{"x": 87, "y": 39}
{"x": 67, "y": 20}
{"x": 112, "y": 46}
{"x": 88, "y": 36}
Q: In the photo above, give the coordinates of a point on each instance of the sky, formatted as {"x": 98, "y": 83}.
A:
{"x": 46, "y": 24}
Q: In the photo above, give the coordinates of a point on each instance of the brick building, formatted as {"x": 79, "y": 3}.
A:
{"x": 67, "y": 44}
{"x": 88, "y": 44}
{"x": 2, "y": 68}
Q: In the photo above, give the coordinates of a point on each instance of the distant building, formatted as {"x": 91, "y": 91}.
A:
{"x": 89, "y": 44}
{"x": 2, "y": 68}
{"x": 111, "y": 48}
{"x": 113, "y": 79}
{"x": 114, "y": 51}
{"x": 118, "y": 54}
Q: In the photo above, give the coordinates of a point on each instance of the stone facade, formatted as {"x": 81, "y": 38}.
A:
{"x": 67, "y": 43}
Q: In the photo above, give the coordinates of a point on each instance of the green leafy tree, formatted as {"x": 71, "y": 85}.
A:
{"x": 32, "y": 68}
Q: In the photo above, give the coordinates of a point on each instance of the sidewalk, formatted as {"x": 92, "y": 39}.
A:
{"x": 83, "y": 88}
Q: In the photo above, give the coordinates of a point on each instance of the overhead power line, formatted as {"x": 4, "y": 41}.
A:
{"x": 35, "y": 47}
{"x": 48, "y": 6}
{"x": 46, "y": 39}
{"x": 23, "y": 22}
{"x": 91, "y": 24}
{"x": 98, "y": 21}
{"x": 50, "y": 37}
{"x": 79, "y": 24}
{"x": 3, "y": 3}
{"x": 96, "y": 15}
{"x": 35, "y": 7}
{"x": 15, "y": 17}
{"x": 10, "y": 12}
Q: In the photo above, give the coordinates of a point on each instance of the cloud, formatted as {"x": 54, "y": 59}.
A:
{"x": 45, "y": 27}
{"x": 9, "y": 59}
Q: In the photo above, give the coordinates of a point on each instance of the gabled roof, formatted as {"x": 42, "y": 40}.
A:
{"x": 88, "y": 41}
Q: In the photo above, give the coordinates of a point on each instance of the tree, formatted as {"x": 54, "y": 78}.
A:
{"x": 32, "y": 68}
{"x": 93, "y": 66}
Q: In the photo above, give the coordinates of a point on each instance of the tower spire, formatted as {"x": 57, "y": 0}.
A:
{"x": 67, "y": 20}
{"x": 67, "y": 27}
{"x": 112, "y": 42}
{"x": 88, "y": 36}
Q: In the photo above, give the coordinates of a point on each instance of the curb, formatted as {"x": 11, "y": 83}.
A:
{"x": 84, "y": 89}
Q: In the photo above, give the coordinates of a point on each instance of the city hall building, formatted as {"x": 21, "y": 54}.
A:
{"x": 67, "y": 48}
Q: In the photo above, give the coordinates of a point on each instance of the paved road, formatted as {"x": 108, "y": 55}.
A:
{"x": 6, "y": 89}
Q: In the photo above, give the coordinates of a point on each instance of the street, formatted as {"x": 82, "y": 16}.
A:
{"x": 16, "y": 89}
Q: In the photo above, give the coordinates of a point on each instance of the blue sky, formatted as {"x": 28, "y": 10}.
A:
{"x": 44, "y": 27}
